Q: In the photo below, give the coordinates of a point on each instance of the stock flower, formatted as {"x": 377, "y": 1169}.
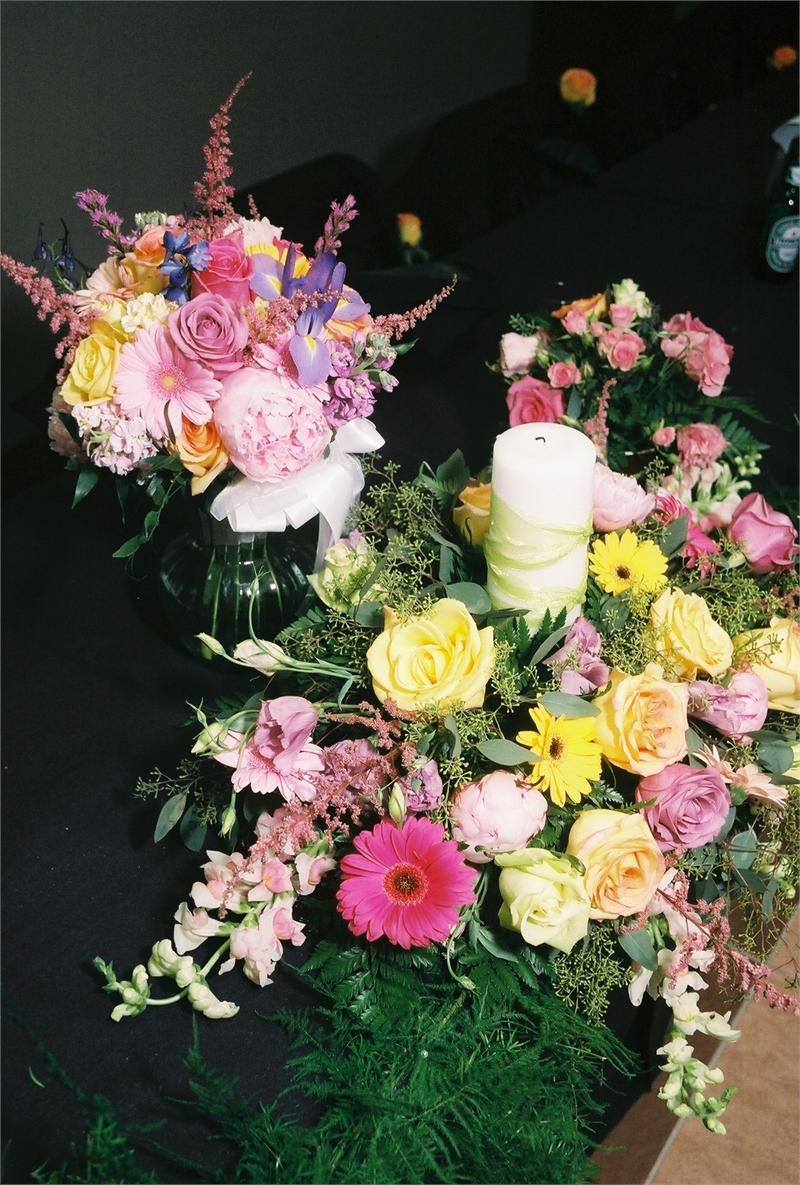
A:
{"x": 691, "y": 804}
{"x": 91, "y": 376}
{"x": 154, "y": 380}
{"x": 531, "y": 401}
{"x": 643, "y": 720}
{"x": 618, "y": 501}
{"x": 473, "y": 516}
{"x": 687, "y": 635}
{"x": 765, "y": 536}
{"x": 565, "y": 755}
{"x": 496, "y": 814}
{"x": 622, "y": 563}
{"x": 518, "y": 352}
{"x": 778, "y": 662}
{"x": 622, "y": 861}
{"x": 202, "y": 453}
{"x": 578, "y": 87}
{"x": 577, "y": 662}
{"x": 439, "y": 657}
{"x": 544, "y": 898}
{"x": 405, "y": 883}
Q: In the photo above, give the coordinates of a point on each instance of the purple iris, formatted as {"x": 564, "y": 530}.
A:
{"x": 309, "y": 352}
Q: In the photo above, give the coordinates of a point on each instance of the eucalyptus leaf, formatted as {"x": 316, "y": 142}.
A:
{"x": 88, "y": 478}
{"x": 452, "y": 728}
{"x": 192, "y": 831}
{"x": 639, "y": 946}
{"x": 561, "y": 703}
{"x": 574, "y": 405}
{"x": 775, "y": 755}
{"x": 169, "y": 814}
{"x": 503, "y": 752}
{"x": 551, "y": 641}
{"x": 473, "y": 596}
{"x": 675, "y": 534}
{"x": 370, "y": 614}
{"x": 743, "y": 848}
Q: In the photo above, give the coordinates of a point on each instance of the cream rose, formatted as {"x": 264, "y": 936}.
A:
{"x": 781, "y": 669}
{"x": 643, "y": 720}
{"x": 622, "y": 861}
{"x": 687, "y": 635}
{"x": 473, "y": 515}
{"x": 91, "y": 376}
{"x": 440, "y": 657}
{"x": 544, "y": 898}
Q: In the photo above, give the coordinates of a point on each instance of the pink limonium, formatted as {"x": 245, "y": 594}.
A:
{"x": 618, "y": 501}
{"x": 578, "y": 662}
{"x": 404, "y": 883}
{"x": 703, "y": 353}
{"x": 156, "y": 381}
{"x": 279, "y": 755}
{"x": 735, "y": 710}
{"x": 496, "y": 814}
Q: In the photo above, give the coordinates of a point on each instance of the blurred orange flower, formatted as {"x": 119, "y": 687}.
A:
{"x": 410, "y": 229}
{"x": 578, "y": 87}
{"x": 590, "y": 306}
{"x": 783, "y": 56}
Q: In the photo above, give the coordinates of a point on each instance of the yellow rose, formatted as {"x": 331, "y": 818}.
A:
{"x": 544, "y": 898}
{"x": 781, "y": 669}
{"x": 91, "y": 376}
{"x": 642, "y": 723}
{"x": 688, "y": 636}
{"x": 410, "y": 229}
{"x": 202, "y": 452}
{"x": 440, "y": 657}
{"x": 623, "y": 863}
{"x": 472, "y": 516}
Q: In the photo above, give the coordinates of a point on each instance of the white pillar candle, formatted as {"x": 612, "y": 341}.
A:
{"x": 541, "y": 518}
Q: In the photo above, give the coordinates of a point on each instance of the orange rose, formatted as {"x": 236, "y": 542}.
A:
{"x": 783, "y": 56}
{"x": 409, "y": 227}
{"x": 622, "y": 861}
{"x": 472, "y": 516}
{"x": 590, "y": 306}
{"x": 578, "y": 86}
{"x": 202, "y": 452}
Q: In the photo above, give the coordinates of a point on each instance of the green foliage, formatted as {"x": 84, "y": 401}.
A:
{"x": 104, "y": 1156}
{"x": 198, "y": 791}
{"x": 586, "y": 976}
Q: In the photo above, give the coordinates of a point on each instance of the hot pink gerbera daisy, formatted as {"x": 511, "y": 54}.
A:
{"x": 405, "y": 882}
{"x": 157, "y": 382}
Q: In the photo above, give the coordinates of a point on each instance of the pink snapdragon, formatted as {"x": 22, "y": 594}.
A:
{"x": 618, "y": 501}
{"x": 260, "y": 946}
{"x": 735, "y": 710}
{"x": 703, "y": 353}
{"x": 310, "y": 871}
{"x": 279, "y": 755}
{"x": 578, "y": 662}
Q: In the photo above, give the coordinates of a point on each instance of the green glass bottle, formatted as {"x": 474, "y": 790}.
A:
{"x": 780, "y": 238}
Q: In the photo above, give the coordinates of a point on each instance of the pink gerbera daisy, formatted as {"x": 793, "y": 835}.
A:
{"x": 157, "y": 382}
{"x": 405, "y": 882}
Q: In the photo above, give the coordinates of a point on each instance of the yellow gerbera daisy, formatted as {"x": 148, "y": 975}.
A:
{"x": 568, "y": 758}
{"x": 622, "y": 562}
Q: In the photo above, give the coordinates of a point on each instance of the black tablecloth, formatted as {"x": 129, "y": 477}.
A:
{"x": 95, "y": 693}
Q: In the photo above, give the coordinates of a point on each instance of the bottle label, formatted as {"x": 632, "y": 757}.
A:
{"x": 783, "y": 244}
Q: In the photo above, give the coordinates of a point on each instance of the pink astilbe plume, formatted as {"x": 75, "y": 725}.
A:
{"x": 214, "y": 192}
{"x": 597, "y": 427}
{"x": 339, "y": 219}
{"x": 49, "y": 304}
{"x": 397, "y": 325}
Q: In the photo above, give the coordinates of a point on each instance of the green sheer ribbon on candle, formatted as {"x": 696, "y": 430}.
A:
{"x": 517, "y": 542}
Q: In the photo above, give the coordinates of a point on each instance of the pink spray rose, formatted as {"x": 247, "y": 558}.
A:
{"x": 270, "y": 427}
{"x": 563, "y": 374}
{"x": 517, "y": 352}
{"x": 700, "y": 444}
{"x": 228, "y": 271}
{"x": 663, "y": 437}
{"x": 735, "y": 710}
{"x": 669, "y": 507}
{"x": 690, "y": 805}
{"x": 704, "y": 354}
{"x": 211, "y": 331}
{"x": 575, "y": 322}
{"x": 621, "y": 347}
{"x": 530, "y": 401}
{"x": 498, "y": 813}
{"x": 621, "y": 315}
{"x": 578, "y": 660}
{"x": 618, "y": 501}
{"x": 767, "y": 537}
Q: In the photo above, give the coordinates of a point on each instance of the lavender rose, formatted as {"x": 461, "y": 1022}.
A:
{"x": 735, "y": 710}
{"x": 690, "y": 805}
{"x": 210, "y": 330}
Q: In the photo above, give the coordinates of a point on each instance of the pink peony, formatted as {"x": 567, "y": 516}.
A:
{"x": 228, "y": 271}
{"x": 767, "y": 537}
{"x": 575, "y": 322}
{"x": 530, "y": 401}
{"x": 422, "y": 788}
{"x": 621, "y": 315}
{"x": 155, "y": 381}
{"x": 496, "y": 814}
{"x": 518, "y": 352}
{"x": 269, "y": 426}
{"x": 735, "y": 710}
{"x": 618, "y": 501}
{"x": 691, "y": 804}
{"x": 664, "y": 437}
{"x": 621, "y": 348}
{"x": 705, "y": 356}
{"x": 406, "y": 883}
{"x": 279, "y": 755}
{"x": 578, "y": 660}
{"x": 700, "y": 444}
{"x": 211, "y": 331}
{"x": 563, "y": 374}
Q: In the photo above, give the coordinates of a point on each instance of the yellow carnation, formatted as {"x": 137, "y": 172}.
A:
{"x": 91, "y": 376}
{"x": 687, "y": 635}
{"x": 643, "y": 721}
{"x": 622, "y": 861}
{"x": 779, "y": 669}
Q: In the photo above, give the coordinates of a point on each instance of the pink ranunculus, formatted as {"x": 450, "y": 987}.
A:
{"x": 700, "y": 444}
{"x": 497, "y": 814}
{"x": 618, "y": 501}
{"x": 621, "y": 348}
{"x": 575, "y": 322}
{"x": 422, "y": 788}
{"x": 269, "y": 426}
{"x": 735, "y": 710}
{"x": 621, "y": 315}
{"x": 663, "y": 437}
{"x": 767, "y": 537}
{"x": 531, "y": 401}
{"x": 578, "y": 660}
{"x": 518, "y": 352}
{"x": 691, "y": 804}
{"x": 699, "y": 550}
{"x": 704, "y": 354}
{"x": 563, "y": 374}
{"x": 228, "y": 271}
{"x": 210, "y": 330}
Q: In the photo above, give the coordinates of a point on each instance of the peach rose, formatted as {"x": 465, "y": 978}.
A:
{"x": 687, "y": 635}
{"x": 643, "y": 720}
{"x": 779, "y": 665}
{"x": 202, "y": 452}
{"x": 622, "y": 861}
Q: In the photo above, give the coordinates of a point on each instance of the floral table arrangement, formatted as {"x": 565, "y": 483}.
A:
{"x": 530, "y": 741}
{"x": 210, "y": 354}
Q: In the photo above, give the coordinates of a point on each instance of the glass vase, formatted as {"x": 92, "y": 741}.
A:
{"x": 217, "y": 581}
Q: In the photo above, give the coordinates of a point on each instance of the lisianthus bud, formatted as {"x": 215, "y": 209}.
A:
{"x": 397, "y": 805}
{"x": 347, "y": 568}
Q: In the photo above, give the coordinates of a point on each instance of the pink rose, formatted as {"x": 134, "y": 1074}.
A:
{"x": 269, "y": 426}
{"x": 621, "y": 315}
{"x": 621, "y": 347}
{"x": 767, "y": 538}
{"x": 575, "y": 322}
{"x": 663, "y": 437}
{"x": 578, "y": 661}
{"x": 228, "y": 271}
{"x": 598, "y": 328}
{"x": 211, "y": 331}
{"x": 690, "y": 805}
{"x": 563, "y": 374}
{"x": 618, "y": 501}
{"x": 497, "y": 813}
{"x": 735, "y": 710}
{"x": 705, "y": 356}
{"x": 530, "y": 401}
{"x": 700, "y": 444}
{"x": 518, "y": 352}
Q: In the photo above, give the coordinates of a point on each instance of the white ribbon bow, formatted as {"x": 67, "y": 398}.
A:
{"x": 328, "y": 487}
